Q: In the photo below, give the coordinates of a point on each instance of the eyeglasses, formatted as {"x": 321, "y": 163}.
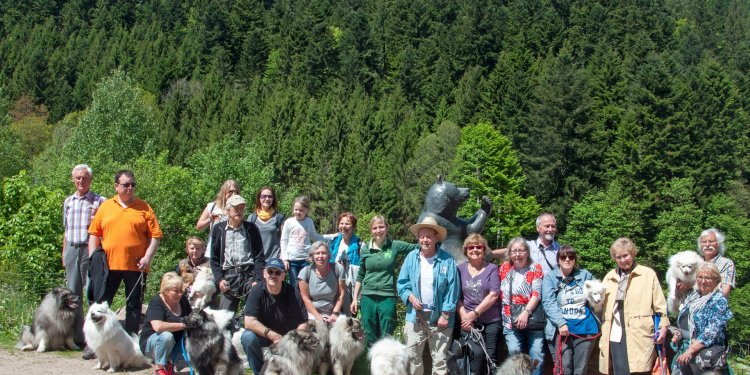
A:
{"x": 274, "y": 272}
{"x": 474, "y": 247}
{"x": 709, "y": 242}
{"x": 705, "y": 278}
{"x": 518, "y": 251}
{"x": 128, "y": 185}
{"x": 567, "y": 257}
{"x": 266, "y": 196}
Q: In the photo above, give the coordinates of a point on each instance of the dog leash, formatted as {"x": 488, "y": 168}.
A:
{"x": 185, "y": 354}
{"x": 138, "y": 282}
{"x": 476, "y": 335}
{"x": 558, "y": 370}
{"x": 425, "y": 327}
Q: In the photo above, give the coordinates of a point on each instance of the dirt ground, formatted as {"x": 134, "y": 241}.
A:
{"x": 13, "y": 361}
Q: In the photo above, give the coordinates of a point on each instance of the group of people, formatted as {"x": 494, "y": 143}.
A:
{"x": 534, "y": 297}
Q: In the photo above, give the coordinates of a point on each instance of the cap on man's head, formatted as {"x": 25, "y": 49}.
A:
{"x": 235, "y": 200}
{"x": 429, "y": 222}
{"x": 275, "y": 263}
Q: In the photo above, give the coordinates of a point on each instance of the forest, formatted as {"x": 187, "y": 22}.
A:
{"x": 624, "y": 118}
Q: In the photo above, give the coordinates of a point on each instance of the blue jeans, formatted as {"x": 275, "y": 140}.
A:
{"x": 253, "y": 346}
{"x": 161, "y": 347}
{"x": 294, "y": 267}
{"x": 533, "y": 341}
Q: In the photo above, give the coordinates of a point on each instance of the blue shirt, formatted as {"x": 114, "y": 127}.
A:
{"x": 558, "y": 310}
{"x": 444, "y": 282}
{"x": 352, "y": 252}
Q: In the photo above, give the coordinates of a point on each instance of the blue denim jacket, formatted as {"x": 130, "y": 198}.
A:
{"x": 445, "y": 283}
{"x": 550, "y": 287}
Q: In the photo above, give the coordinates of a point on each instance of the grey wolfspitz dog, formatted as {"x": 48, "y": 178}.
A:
{"x": 295, "y": 354}
{"x": 518, "y": 364}
{"x": 210, "y": 346}
{"x": 54, "y": 323}
{"x": 347, "y": 339}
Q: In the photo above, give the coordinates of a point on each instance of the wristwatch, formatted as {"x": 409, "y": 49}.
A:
{"x": 265, "y": 333}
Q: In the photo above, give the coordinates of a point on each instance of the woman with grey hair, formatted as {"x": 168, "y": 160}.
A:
{"x": 702, "y": 327}
{"x": 321, "y": 284}
{"x": 711, "y": 247}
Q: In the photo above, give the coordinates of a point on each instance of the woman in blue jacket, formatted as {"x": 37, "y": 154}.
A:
{"x": 571, "y": 324}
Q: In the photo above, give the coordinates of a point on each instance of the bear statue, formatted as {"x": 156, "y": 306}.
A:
{"x": 442, "y": 203}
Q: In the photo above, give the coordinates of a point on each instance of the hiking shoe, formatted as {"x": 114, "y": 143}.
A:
{"x": 88, "y": 353}
{"x": 161, "y": 371}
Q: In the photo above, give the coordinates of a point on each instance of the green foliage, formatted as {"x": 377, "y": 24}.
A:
{"x": 119, "y": 126}
{"x": 677, "y": 224}
{"x": 30, "y": 234}
{"x": 486, "y": 163}
{"x": 597, "y": 221}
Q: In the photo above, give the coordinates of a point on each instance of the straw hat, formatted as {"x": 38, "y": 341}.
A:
{"x": 429, "y": 222}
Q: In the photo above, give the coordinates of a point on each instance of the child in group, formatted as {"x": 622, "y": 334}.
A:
{"x": 297, "y": 235}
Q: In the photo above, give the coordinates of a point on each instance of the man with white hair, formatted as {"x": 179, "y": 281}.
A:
{"x": 77, "y": 212}
{"x": 428, "y": 283}
{"x": 544, "y": 249}
{"x": 711, "y": 247}
{"x": 237, "y": 258}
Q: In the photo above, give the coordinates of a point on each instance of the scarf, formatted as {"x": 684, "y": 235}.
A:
{"x": 264, "y": 215}
{"x": 616, "y": 332}
{"x": 696, "y": 305}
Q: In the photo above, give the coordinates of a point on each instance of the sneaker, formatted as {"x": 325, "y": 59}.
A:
{"x": 88, "y": 354}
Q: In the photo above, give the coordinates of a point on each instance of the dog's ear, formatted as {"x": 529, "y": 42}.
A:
{"x": 349, "y": 322}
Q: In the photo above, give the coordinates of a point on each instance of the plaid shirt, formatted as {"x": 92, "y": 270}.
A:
{"x": 77, "y": 215}
{"x": 726, "y": 269}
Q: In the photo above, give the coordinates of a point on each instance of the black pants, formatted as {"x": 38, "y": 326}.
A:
{"x": 134, "y": 288}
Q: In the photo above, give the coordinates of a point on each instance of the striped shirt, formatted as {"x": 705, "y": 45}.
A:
{"x": 77, "y": 215}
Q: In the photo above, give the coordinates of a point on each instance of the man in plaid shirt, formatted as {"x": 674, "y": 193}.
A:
{"x": 78, "y": 210}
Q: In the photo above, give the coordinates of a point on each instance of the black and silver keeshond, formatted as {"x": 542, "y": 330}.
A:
{"x": 210, "y": 346}
{"x": 54, "y": 323}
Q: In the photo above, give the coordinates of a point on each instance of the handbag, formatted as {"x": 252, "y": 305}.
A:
{"x": 537, "y": 319}
{"x": 712, "y": 358}
{"x": 459, "y": 357}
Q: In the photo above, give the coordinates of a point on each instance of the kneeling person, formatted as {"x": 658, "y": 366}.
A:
{"x": 272, "y": 309}
{"x": 163, "y": 329}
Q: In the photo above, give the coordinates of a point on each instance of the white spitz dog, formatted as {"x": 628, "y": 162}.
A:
{"x": 683, "y": 267}
{"x": 388, "y": 356}
{"x": 113, "y": 346}
{"x": 593, "y": 291}
{"x": 202, "y": 290}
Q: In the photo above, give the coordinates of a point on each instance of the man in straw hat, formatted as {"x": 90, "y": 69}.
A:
{"x": 428, "y": 284}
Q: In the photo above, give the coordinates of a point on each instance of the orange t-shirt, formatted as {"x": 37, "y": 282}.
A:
{"x": 125, "y": 232}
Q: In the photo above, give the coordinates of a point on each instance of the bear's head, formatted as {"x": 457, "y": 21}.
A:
{"x": 444, "y": 198}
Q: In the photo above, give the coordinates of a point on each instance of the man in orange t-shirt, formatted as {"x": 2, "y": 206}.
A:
{"x": 129, "y": 233}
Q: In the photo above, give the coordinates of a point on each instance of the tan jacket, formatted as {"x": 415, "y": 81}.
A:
{"x": 643, "y": 298}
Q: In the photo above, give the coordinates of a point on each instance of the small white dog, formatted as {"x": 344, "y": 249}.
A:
{"x": 113, "y": 346}
{"x": 683, "y": 267}
{"x": 593, "y": 291}
{"x": 203, "y": 289}
{"x": 389, "y": 356}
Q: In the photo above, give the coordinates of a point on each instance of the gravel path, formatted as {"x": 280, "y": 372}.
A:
{"x": 13, "y": 361}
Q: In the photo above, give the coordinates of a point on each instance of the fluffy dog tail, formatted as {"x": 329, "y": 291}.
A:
{"x": 26, "y": 341}
{"x": 138, "y": 360}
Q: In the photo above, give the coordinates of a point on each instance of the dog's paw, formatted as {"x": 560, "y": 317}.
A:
{"x": 97, "y": 366}
{"x": 111, "y": 370}
{"x": 27, "y": 347}
{"x": 41, "y": 349}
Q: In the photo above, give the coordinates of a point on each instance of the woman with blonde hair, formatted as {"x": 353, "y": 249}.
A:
{"x": 376, "y": 281}
{"x": 632, "y": 297}
{"x": 215, "y": 212}
{"x": 163, "y": 328}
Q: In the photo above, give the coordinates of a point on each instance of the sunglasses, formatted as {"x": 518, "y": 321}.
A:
{"x": 567, "y": 257}
{"x": 265, "y": 196}
{"x": 274, "y": 272}
{"x": 474, "y": 247}
{"x": 128, "y": 185}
